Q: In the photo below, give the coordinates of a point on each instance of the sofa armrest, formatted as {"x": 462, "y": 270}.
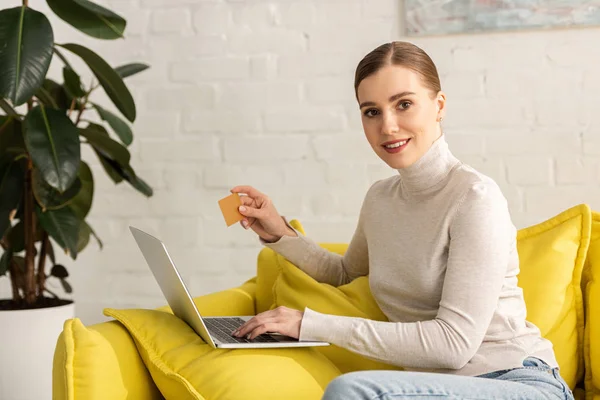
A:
{"x": 99, "y": 362}
{"x": 102, "y": 361}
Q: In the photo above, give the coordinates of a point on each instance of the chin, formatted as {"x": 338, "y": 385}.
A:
{"x": 398, "y": 162}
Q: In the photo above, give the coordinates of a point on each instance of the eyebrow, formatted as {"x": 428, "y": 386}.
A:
{"x": 394, "y": 97}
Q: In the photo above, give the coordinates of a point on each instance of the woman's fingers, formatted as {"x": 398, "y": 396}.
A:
{"x": 264, "y": 328}
{"x": 249, "y": 201}
{"x": 253, "y": 323}
{"x": 251, "y": 212}
{"x": 247, "y": 222}
{"x": 252, "y": 192}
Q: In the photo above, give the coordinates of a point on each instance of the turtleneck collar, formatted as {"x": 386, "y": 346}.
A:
{"x": 430, "y": 169}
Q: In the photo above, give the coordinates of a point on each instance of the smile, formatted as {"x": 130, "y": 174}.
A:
{"x": 396, "y": 147}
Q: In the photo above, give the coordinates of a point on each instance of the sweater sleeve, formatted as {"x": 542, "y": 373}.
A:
{"x": 478, "y": 257}
{"x": 321, "y": 264}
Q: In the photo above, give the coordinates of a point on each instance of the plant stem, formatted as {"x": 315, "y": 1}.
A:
{"x": 7, "y": 108}
{"x": 29, "y": 221}
{"x": 29, "y": 236}
{"x": 14, "y": 280}
{"x": 26, "y": 3}
{"x": 83, "y": 104}
{"x": 71, "y": 108}
{"x": 41, "y": 274}
{"x": 5, "y": 124}
{"x": 62, "y": 57}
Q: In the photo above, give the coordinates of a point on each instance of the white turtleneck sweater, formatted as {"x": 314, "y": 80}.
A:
{"x": 439, "y": 247}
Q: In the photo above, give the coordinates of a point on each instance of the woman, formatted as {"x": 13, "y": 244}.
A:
{"x": 439, "y": 246}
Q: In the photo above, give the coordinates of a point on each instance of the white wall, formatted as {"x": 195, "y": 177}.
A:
{"x": 261, "y": 93}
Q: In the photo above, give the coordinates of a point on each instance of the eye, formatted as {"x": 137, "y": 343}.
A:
{"x": 368, "y": 112}
{"x": 404, "y": 104}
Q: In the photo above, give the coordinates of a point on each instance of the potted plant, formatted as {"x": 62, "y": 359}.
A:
{"x": 46, "y": 189}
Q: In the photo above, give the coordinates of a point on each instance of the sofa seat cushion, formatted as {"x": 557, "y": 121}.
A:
{"x": 551, "y": 254}
{"x": 183, "y": 366}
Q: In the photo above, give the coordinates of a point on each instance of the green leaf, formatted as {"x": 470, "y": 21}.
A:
{"x": 72, "y": 82}
{"x": 54, "y": 95}
{"x": 119, "y": 172}
{"x": 130, "y": 69}
{"x": 119, "y": 126}
{"x": 59, "y": 271}
{"x": 26, "y": 40}
{"x": 84, "y": 236}
{"x": 82, "y": 203}
{"x": 53, "y": 143}
{"x": 66, "y": 286}
{"x": 110, "y": 167}
{"x": 11, "y": 138}
{"x": 89, "y": 18}
{"x": 111, "y": 81}
{"x": 138, "y": 183}
{"x": 63, "y": 226}
{"x": 98, "y": 138}
{"x": 48, "y": 197}
{"x": 5, "y": 261}
{"x": 45, "y": 97}
{"x": 12, "y": 179}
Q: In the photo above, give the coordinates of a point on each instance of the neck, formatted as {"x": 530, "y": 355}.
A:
{"x": 429, "y": 170}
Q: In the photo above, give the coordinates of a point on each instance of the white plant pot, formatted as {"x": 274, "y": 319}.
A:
{"x": 27, "y": 342}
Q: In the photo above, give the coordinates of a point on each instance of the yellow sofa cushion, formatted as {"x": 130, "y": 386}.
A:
{"x": 97, "y": 363}
{"x": 551, "y": 254}
{"x": 295, "y": 289}
{"x": 591, "y": 287}
{"x": 184, "y": 367}
{"x": 267, "y": 273}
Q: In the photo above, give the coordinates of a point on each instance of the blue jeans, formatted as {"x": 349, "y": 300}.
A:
{"x": 535, "y": 380}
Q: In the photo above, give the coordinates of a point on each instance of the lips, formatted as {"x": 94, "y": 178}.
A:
{"x": 395, "y": 141}
{"x": 397, "y": 148}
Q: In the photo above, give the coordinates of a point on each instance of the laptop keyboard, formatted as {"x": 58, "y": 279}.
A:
{"x": 221, "y": 328}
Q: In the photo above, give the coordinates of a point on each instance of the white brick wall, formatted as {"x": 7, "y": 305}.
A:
{"x": 260, "y": 92}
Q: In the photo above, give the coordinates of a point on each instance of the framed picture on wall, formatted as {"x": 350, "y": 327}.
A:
{"x": 438, "y": 17}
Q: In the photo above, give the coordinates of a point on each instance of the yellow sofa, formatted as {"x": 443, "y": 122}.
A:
{"x": 129, "y": 359}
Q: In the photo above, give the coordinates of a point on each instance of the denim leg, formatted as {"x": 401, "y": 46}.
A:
{"x": 528, "y": 383}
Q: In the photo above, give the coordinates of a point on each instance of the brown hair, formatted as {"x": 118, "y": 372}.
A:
{"x": 398, "y": 53}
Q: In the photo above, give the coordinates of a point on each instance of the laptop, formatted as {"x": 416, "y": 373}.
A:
{"x": 216, "y": 331}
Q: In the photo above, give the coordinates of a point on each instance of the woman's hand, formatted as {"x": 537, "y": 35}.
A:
{"x": 260, "y": 215}
{"x": 283, "y": 320}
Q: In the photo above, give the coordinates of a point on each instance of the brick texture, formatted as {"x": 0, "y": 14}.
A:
{"x": 261, "y": 93}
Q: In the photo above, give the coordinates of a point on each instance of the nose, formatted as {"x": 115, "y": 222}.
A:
{"x": 390, "y": 124}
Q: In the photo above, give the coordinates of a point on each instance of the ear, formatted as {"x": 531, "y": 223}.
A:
{"x": 441, "y": 105}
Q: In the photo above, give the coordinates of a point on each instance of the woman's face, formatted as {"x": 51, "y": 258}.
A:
{"x": 396, "y": 109}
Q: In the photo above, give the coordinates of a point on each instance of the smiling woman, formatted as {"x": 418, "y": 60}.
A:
{"x": 400, "y": 120}
{"x": 439, "y": 247}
